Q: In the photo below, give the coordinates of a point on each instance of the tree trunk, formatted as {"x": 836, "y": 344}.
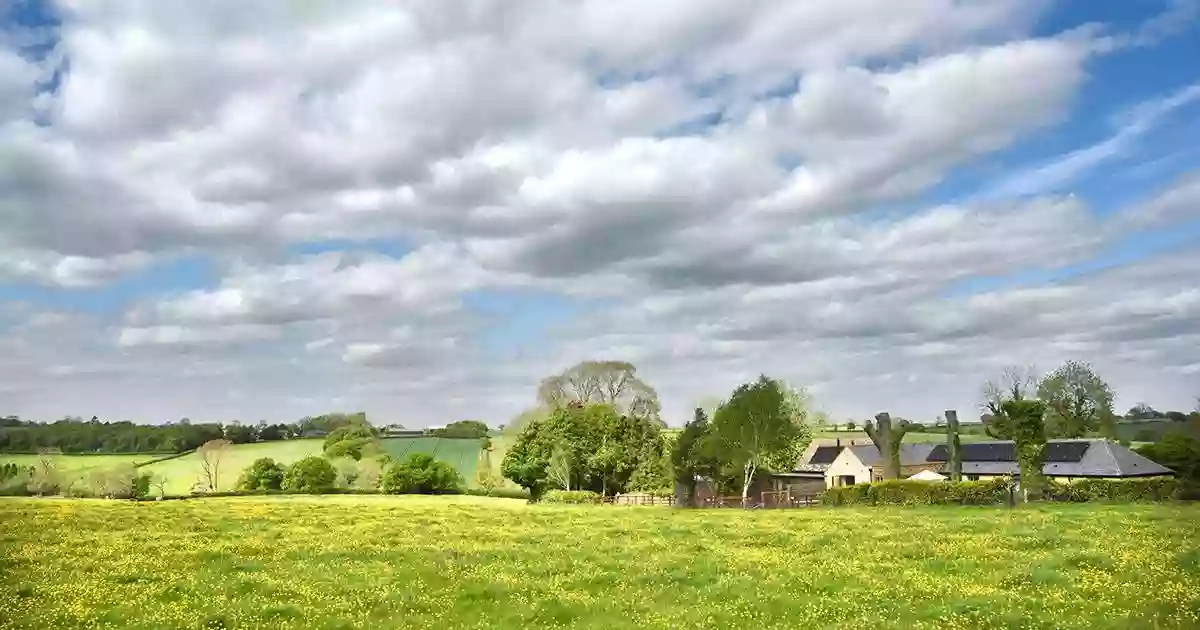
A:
{"x": 887, "y": 443}
{"x": 954, "y": 445}
{"x": 746, "y": 484}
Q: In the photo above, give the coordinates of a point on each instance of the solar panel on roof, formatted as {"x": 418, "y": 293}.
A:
{"x": 825, "y": 454}
{"x": 1066, "y": 451}
{"x": 1057, "y": 452}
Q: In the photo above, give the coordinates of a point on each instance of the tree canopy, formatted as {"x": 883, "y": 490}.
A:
{"x": 1077, "y": 400}
{"x": 613, "y": 383}
{"x": 588, "y": 447}
{"x": 354, "y": 441}
{"x": 760, "y": 427}
{"x": 469, "y": 429}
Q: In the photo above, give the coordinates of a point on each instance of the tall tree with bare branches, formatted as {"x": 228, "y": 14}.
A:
{"x": 1015, "y": 383}
{"x": 601, "y": 382}
{"x": 211, "y": 453}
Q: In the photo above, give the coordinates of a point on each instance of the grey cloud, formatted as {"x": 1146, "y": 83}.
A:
{"x": 561, "y": 148}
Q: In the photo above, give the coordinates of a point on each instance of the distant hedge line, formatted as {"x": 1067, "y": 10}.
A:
{"x": 996, "y": 491}
{"x": 501, "y": 493}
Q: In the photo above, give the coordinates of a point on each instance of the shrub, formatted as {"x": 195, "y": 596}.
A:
{"x": 141, "y": 486}
{"x": 16, "y": 484}
{"x": 354, "y": 441}
{"x": 906, "y": 492}
{"x": 846, "y": 495}
{"x": 503, "y": 493}
{"x": 421, "y": 474}
{"x": 571, "y": 497}
{"x": 987, "y": 492}
{"x": 264, "y": 474}
{"x": 1117, "y": 490}
{"x": 470, "y": 429}
{"x": 312, "y": 475}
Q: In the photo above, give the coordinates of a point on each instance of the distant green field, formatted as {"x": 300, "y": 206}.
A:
{"x": 182, "y": 473}
{"x": 462, "y": 454}
{"x": 938, "y": 438}
{"x": 80, "y": 463}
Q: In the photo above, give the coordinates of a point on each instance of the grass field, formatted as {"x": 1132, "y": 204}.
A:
{"x": 466, "y": 562}
{"x": 80, "y": 463}
{"x": 182, "y": 472}
{"x": 462, "y": 454}
{"x": 939, "y": 438}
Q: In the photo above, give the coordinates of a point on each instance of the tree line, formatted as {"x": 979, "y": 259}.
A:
{"x": 75, "y": 435}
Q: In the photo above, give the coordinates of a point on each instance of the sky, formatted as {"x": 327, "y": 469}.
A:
{"x": 265, "y": 209}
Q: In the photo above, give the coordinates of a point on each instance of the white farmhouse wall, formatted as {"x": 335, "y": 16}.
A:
{"x": 846, "y": 464}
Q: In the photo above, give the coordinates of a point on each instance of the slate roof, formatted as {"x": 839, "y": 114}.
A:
{"x": 822, "y": 453}
{"x": 1064, "y": 458}
{"x": 1005, "y": 451}
{"x": 910, "y": 454}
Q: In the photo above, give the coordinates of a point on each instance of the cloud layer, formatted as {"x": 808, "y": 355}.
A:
{"x": 419, "y": 209}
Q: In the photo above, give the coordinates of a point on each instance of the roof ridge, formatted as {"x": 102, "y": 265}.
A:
{"x": 1112, "y": 456}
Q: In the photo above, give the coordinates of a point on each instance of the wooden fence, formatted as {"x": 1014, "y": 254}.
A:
{"x": 639, "y": 499}
{"x": 766, "y": 500}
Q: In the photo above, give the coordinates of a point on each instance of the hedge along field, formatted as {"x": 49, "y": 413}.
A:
{"x": 470, "y": 562}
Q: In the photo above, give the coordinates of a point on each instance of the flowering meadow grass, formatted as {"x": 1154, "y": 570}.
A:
{"x": 453, "y": 562}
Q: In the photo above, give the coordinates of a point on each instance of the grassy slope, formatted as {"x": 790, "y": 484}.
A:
{"x": 450, "y": 562}
{"x": 462, "y": 454}
{"x": 80, "y": 463}
{"x": 183, "y": 472}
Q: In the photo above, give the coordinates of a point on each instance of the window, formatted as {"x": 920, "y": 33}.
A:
{"x": 972, "y": 477}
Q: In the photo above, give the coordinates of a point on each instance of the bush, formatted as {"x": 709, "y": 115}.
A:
{"x": 354, "y": 441}
{"x": 141, "y": 486}
{"x": 1117, "y": 490}
{"x": 846, "y": 495}
{"x": 987, "y": 492}
{"x": 421, "y": 474}
{"x": 469, "y": 429}
{"x": 571, "y": 497}
{"x": 503, "y": 493}
{"x": 996, "y": 491}
{"x": 905, "y": 492}
{"x": 264, "y": 474}
{"x": 16, "y": 485}
{"x": 312, "y": 475}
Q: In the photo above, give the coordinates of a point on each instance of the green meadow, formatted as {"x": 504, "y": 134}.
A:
{"x": 469, "y": 562}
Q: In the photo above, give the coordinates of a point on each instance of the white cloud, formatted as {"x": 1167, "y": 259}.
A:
{"x": 1135, "y": 124}
{"x": 649, "y": 164}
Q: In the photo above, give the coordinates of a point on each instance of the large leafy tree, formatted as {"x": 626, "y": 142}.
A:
{"x": 590, "y": 447}
{"x": 612, "y": 383}
{"x": 758, "y": 429}
{"x": 691, "y": 459}
{"x": 1077, "y": 400}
